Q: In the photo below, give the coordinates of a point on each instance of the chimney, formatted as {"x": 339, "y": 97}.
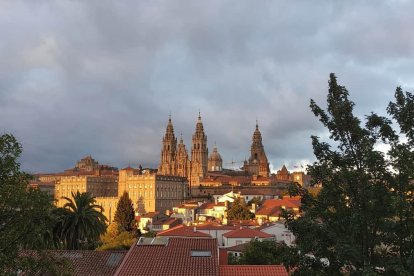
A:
{"x": 195, "y": 229}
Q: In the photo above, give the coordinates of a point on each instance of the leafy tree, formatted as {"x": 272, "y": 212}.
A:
{"x": 82, "y": 221}
{"x": 255, "y": 200}
{"x": 267, "y": 252}
{"x": 124, "y": 214}
{"x": 26, "y": 219}
{"x": 113, "y": 239}
{"x": 399, "y": 236}
{"x": 345, "y": 222}
{"x": 239, "y": 211}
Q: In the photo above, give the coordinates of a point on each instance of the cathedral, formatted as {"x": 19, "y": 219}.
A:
{"x": 175, "y": 160}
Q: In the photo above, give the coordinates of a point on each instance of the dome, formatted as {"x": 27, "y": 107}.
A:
{"x": 215, "y": 156}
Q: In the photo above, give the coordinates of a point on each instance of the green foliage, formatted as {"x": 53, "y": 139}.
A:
{"x": 26, "y": 216}
{"x": 124, "y": 214}
{"x": 113, "y": 239}
{"x": 150, "y": 234}
{"x": 256, "y": 201}
{"x": 361, "y": 219}
{"x": 239, "y": 211}
{"x": 267, "y": 252}
{"x": 82, "y": 221}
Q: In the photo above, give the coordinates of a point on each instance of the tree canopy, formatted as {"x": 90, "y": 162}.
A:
{"x": 361, "y": 219}
{"x": 239, "y": 211}
{"x": 26, "y": 216}
{"x": 82, "y": 222}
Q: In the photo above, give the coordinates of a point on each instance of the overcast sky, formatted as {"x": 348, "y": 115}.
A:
{"x": 101, "y": 77}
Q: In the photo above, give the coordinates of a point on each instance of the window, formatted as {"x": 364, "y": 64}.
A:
{"x": 200, "y": 253}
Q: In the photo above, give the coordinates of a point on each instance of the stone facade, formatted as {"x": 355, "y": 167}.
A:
{"x": 176, "y": 162}
{"x": 257, "y": 163}
{"x": 98, "y": 186}
{"x": 151, "y": 192}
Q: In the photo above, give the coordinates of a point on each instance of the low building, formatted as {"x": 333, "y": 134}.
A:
{"x": 171, "y": 256}
{"x": 190, "y": 256}
{"x": 145, "y": 221}
{"x": 271, "y": 209}
{"x": 186, "y": 211}
{"x": 216, "y": 230}
{"x": 183, "y": 231}
{"x": 212, "y": 210}
{"x": 87, "y": 262}
{"x": 165, "y": 224}
{"x": 244, "y": 235}
{"x": 279, "y": 230}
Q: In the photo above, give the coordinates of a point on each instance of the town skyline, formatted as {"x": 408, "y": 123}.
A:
{"x": 82, "y": 78}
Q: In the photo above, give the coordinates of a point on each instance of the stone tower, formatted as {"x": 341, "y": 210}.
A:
{"x": 168, "y": 151}
{"x": 199, "y": 154}
{"x": 215, "y": 163}
{"x": 181, "y": 160}
{"x": 257, "y": 164}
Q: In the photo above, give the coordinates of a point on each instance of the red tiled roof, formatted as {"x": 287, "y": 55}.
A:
{"x": 150, "y": 215}
{"x": 246, "y": 233}
{"x": 248, "y": 270}
{"x": 184, "y": 232}
{"x": 167, "y": 221}
{"x": 89, "y": 262}
{"x": 174, "y": 258}
{"x": 211, "y": 205}
{"x": 270, "y": 224}
{"x": 247, "y": 223}
{"x": 237, "y": 248}
{"x": 215, "y": 226}
{"x": 272, "y": 206}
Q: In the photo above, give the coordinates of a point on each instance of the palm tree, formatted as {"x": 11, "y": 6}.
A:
{"x": 82, "y": 221}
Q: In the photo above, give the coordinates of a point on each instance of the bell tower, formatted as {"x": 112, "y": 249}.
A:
{"x": 168, "y": 151}
{"x": 257, "y": 164}
{"x": 199, "y": 153}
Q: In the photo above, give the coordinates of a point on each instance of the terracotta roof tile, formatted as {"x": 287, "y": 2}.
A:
{"x": 174, "y": 258}
{"x": 237, "y": 248}
{"x": 184, "y": 232}
{"x": 247, "y": 233}
{"x": 273, "y": 206}
{"x": 90, "y": 262}
{"x": 211, "y": 205}
{"x": 247, "y": 270}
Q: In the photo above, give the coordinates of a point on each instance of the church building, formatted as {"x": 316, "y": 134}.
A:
{"x": 175, "y": 160}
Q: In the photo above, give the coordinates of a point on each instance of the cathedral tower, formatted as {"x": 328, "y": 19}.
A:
{"x": 168, "y": 151}
{"x": 181, "y": 160}
{"x": 257, "y": 164}
{"x": 199, "y": 153}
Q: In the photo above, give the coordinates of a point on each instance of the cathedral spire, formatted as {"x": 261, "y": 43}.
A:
{"x": 199, "y": 153}
{"x": 169, "y": 147}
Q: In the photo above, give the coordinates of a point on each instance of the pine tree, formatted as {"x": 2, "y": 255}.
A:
{"x": 124, "y": 215}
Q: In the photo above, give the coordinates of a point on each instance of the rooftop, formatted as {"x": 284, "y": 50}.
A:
{"x": 90, "y": 262}
{"x": 247, "y": 233}
{"x": 183, "y": 232}
{"x": 247, "y": 270}
{"x": 177, "y": 257}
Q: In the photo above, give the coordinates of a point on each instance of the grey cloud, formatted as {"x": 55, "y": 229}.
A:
{"x": 101, "y": 77}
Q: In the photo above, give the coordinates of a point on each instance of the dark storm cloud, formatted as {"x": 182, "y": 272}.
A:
{"x": 101, "y": 77}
